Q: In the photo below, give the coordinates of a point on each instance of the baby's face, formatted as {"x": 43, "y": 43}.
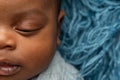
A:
{"x": 28, "y": 38}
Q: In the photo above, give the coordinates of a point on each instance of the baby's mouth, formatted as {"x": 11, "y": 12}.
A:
{"x": 8, "y": 68}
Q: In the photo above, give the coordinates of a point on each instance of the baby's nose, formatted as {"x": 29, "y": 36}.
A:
{"x": 7, "y": 40}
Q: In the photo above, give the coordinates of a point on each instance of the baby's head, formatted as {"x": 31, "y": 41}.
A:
{"x": 29, "y": 36}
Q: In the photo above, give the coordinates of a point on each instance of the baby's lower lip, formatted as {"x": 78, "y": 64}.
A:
{"x": 7, "y": 69}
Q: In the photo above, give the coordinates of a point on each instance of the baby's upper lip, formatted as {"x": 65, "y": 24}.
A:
{"x": 9, "y": 62}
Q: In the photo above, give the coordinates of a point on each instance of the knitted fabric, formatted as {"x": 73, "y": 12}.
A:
{"x": 90, "y": 37}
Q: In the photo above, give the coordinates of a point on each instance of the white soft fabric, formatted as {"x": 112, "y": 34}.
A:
{"x": 59, "y": 70}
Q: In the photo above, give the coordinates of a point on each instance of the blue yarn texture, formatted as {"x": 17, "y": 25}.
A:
{"x": 90, "y": 37}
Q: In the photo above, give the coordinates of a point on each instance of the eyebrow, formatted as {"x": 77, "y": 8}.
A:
{"x": 31, "y": 12}
{"x": 34, "y": 11}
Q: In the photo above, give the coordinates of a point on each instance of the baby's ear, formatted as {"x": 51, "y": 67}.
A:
{"x": 60, "y": 20}
{"x": 61, "y": 17}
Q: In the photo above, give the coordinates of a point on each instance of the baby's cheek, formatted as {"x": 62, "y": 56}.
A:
{"x": 35, "y": 61}
{"x": 38, "y": 59}
{"x": 36, "y": 54}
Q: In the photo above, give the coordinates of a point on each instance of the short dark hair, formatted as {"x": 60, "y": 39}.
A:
{"x": 58, "y": 4}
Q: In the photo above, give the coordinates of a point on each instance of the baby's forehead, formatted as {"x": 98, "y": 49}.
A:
{"x": 51, "y": 2}
{"x": 46, "y": 3}
{"x": 55, "y": 4}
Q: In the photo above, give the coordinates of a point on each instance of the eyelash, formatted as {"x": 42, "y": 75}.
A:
{"x": 26, "y": 32}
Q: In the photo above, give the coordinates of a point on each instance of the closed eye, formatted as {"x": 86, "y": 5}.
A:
{"x": 28, "y": 26}
{"x": 27, "y": 31}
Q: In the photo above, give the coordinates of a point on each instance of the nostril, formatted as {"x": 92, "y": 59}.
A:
{"x": 7, "y": 44}
{"x": 8, "y": 47}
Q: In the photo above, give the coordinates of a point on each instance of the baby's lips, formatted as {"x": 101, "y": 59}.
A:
{"x": 9, "y": 68}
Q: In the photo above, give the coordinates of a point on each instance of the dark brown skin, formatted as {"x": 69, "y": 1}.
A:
{"x": 29, "y": 36}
